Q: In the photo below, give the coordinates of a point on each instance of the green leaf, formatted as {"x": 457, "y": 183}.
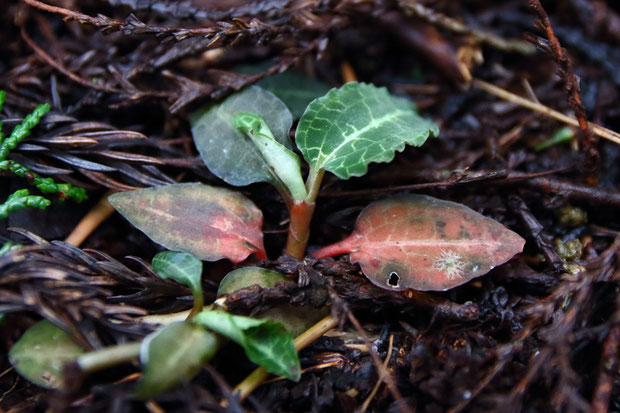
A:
{"x": 265, "y": 343}
{"x": 345, "y": 130}
{"x": 40, "y": 353}
{"x": 283, "y": 162}
{"x": 173, "y": 354}
{"x": 208, "y": 222}
{"x": 295, "y": 319}
{"x": 247, "y": 276}
{"x": 229, "y": 153}
{"x": 564, "y": 134}
{"x": 294, "y": 89}
{"x": 180, "y": 266}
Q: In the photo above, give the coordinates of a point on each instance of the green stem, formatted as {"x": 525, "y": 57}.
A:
{"x": 199, "y": 304}
{"x": 313, "y": 183}
{"x": 301, "y": 215}
{"x": 108, "y": 357}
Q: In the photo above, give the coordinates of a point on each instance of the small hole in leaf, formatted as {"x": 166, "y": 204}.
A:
{"x": 394, "y": 279}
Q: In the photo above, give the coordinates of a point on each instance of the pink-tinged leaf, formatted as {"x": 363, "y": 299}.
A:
{"x": 422, "y": 243}
{"x": 208, "y": 222}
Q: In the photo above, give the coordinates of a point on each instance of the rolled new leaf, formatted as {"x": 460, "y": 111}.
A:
{"x": 208, "y": 222}
{"x": 283, "y": 162}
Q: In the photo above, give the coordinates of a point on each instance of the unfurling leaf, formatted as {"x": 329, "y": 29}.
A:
{"x": 422, "y": 243}
{"x": 265, "y": 343}
{"x": 345, "y": 130}
{"x": 39, "y": 354}
{"x": 173, "y": 354}
{"x": 208, "y": 222}
{"x": 226, "y": 151}
{"x": 283, "y": 162}
{"x": 180, "y": 266}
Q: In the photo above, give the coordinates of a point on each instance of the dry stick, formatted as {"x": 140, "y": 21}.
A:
{"x": 545, "y": 110}
{"x": 571, "y": 86}
{"x": 383, "y": 372}
{"x": 347, "y": 72}
{"x": 99, "y": 213}
{"x": 608, "y": 365}
{"x": 247, "y": 386}
{"x": 414, "y": 7}
{"x": 49, "y": 60}
{"x": 381, "y": 378}
{"x": 107, "y": 22}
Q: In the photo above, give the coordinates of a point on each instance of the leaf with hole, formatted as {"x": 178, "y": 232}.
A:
{"x": 208, "y": 222}
{"x": 265, "y": 343}
{"x": 41, "y": 352}
{"x": 173, "y": 354}
{"x": 228, "y": 152}
{"x": 350, "y": 127}
{"x": 423, "y": 243}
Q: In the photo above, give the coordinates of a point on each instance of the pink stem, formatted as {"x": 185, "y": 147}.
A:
{"x": 343, "y": 247}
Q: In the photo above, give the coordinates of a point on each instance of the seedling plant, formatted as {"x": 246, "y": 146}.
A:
{"x": 407, "y": 242}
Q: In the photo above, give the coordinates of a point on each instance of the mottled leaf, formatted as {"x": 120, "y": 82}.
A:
{"x": 208, "y": 222}
{"x": 265, "y": 343}
{"x": 173, "y": 354}
{"x": 345, "y": 130}
{"x": 40, "y": 353}
{"x": 422, "y": 243}
{"x": 180, "y": 266}
{"x": 228, "y": 152}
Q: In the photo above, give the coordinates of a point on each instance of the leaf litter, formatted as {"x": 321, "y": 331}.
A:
{"x": 527, "y": 335}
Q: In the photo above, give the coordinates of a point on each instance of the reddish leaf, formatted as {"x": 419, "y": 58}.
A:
{"x": 210, "y": 223}
{"x": 422, "y": 243}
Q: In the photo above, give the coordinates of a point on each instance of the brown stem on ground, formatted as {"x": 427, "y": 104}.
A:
{"x": 571, "y": 85}
{"x": 91, "y": 221}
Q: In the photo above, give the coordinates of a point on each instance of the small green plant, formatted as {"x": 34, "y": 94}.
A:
{"x": 407, "y": 242}
{"x": 21, "y": 198}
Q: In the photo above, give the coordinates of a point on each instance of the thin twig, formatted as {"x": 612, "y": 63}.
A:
{"x": 381, "y": 379}
{"x": 607, "y": 369}
{"x": 91, "y": 221}
{"x": 232, "y": 31}
{"x": 58, "y": 66}
{"x": 571, "y": 84}
{"x": 383, "y": 372}
{"x": 545, "y": 110}
{"x": 414, "y": 7}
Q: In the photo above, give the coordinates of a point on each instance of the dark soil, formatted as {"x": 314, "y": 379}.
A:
{"x": 538, "y": 334}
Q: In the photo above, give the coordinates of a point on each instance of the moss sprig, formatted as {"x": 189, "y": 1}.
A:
{"x": 22, "y": 198}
